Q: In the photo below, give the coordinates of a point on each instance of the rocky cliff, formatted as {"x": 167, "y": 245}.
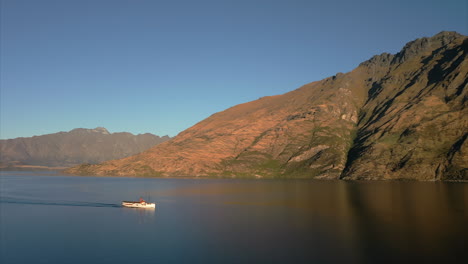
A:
{"x": 75, "y": 147}
{"x": 400, "y": 116}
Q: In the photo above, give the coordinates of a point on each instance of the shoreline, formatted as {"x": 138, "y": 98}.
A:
{"x": 59, "y": 172}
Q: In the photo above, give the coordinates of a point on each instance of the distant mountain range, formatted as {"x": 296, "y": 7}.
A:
{"x": 396, "y": 116}
{"x": 77, "y": 146}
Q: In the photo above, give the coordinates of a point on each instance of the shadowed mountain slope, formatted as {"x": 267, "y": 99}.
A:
{"x": 75, "y": 147}
{"x": 399, "y": 116}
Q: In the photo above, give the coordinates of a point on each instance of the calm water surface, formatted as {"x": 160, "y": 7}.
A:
{"x": 48, "y": 218}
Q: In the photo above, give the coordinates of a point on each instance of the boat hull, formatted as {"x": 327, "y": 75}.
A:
{"x": 138, "y": 205}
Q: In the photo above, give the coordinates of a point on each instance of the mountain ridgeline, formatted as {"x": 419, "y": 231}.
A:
{"x": 78, "y": 146}
{"x": 395, "y": 116}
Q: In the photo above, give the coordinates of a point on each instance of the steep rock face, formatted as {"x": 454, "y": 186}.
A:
{"x": 397, "y": 116}
{"x": 75, "y": 147}
{"x": 414, "y": 123}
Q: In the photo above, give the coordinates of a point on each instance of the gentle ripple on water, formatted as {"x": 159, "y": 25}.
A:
{"x": 63, "y": 219}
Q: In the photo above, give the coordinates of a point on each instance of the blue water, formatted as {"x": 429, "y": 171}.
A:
{"x": 50, "y": 218}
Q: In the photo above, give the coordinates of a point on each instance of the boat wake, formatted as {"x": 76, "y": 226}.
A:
{"x": 10, "y": 200}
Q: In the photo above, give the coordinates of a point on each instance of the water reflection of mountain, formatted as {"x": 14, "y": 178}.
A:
{"x": 421, "y": 222}
{"x": 371, "y": 222}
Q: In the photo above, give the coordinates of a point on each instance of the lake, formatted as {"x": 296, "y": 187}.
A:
{"x": 46, "y": 217}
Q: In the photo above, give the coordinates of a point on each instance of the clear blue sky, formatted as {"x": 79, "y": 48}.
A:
{"x": 162, "y": 66}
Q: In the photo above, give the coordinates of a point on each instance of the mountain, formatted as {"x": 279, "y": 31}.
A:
{"x": 78, "y": 146}
{"x": 395, "y": 116}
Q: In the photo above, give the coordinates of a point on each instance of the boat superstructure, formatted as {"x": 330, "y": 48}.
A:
{"x": 138, "y": 204}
